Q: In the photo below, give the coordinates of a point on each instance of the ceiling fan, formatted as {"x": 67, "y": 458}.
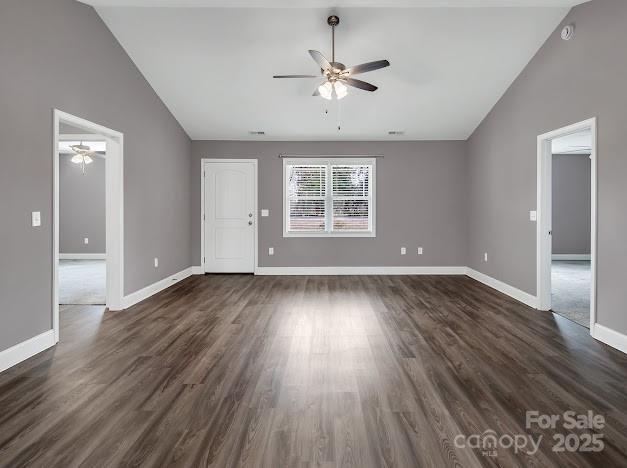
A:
{"x": 335, "y": 74}
{"x": 82, "y": 155}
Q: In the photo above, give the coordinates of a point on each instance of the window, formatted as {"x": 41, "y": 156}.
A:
{"x": 328, "y": 197}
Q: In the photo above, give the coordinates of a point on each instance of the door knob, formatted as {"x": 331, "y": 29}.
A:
{"x": 250, "y": 215}
{"x": 250, "y": 223}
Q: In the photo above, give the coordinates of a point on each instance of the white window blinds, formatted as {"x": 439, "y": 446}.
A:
{"x": 307, "y": 189}
{"x": 329, "y": 197}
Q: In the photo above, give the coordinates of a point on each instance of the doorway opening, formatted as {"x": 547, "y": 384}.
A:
{"x": 82, "y": 217}
{"x": 87, "y": 215}
{"x": 567, "y": 222}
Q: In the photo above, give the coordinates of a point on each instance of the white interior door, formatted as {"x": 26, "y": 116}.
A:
{"x": 230, "y": 217}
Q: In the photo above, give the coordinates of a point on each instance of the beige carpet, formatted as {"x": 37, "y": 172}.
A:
{"x": 571, "y": 290}
{"x": 82, "y": 281}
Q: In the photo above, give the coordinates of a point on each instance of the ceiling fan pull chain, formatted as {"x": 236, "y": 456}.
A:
{"x": 339, "y": 115}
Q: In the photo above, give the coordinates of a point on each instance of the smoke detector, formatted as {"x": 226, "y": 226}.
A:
{"x": 568, "y": 31}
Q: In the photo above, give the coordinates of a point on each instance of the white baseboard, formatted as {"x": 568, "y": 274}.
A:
{"x": 325, "y": 271}
{"x": 610, "y": 337}
{"x": 578, "y": 257}
{"x": 22, "y": 351}
{"x": 150, "y": 290}
{"x": 197, "y": 270}
{"x": 519, "y": 295}
{"x": 82, "y": 256}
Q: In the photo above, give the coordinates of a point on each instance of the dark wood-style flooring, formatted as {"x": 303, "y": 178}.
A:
{"x": 371, "y": 371}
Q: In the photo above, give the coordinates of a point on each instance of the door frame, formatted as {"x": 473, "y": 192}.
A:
{"x": 544, "y": 214}
{"x": 204, "y": 161}
{"x": 114, "y": 193}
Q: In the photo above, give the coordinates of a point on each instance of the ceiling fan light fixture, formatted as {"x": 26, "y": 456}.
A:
{"x": 340, "y": 89}
{"x": 336, "y": 74}
{"x": 87, "y": 159}
{"x": 77, "y": 159}
{"x": 326, "y": 90}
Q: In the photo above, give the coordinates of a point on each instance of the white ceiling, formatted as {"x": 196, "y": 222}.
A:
{"x": 213, "y": 67}
{"x": 576, "y": 143}
{"x": 337, "y": 3}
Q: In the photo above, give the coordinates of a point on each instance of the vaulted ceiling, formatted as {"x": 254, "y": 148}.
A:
{"x": 213, "y": 66}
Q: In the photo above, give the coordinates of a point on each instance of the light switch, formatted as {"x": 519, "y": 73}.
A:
{"x": 533, "y": 216}
{"x": 419, "y": 250}
{"x": 156, "y": 262}
{"x": 270, "y": 250}
{"x": 265, "y": 213}
{"x": 403, "y": 251}
{"x": 485, "y": 257}
{"x": 36, "y": 218}
{"x": 86, "y": 240}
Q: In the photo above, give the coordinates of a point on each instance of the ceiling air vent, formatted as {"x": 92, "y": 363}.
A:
{"x": 396, "y": 132}
{"x": 257, "y": 132}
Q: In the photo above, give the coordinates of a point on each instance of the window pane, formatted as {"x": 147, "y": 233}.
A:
{"x": 306, "y": 181}
{"x": 350, "y": 215}
{"x": 306, "y": 215}
{"x": 351, "y": 180}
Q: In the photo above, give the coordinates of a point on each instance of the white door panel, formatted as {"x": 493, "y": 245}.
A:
{"x": 229, "y": 217}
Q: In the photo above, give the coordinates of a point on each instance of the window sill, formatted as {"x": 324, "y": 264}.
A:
{"x": 327, "y": 234}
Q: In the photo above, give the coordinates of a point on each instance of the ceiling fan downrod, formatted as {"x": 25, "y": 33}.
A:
{"x": 333, "y": 21}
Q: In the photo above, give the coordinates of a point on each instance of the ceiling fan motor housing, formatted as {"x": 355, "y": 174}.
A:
{"x": 333, "y": 20}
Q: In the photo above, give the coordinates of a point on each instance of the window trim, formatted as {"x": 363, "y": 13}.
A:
{"x": 332, "y": 160}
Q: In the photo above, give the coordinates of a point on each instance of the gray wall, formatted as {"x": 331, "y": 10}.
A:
{"x": 82, "y": 206}
{"x": 421, "y": 188}
{"x": 571, "y": 203}
{"x": 40, "y": 41}
{"x": 565, "y": 82}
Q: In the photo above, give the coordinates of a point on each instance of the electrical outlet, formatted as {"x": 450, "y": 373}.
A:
{"x": 419, "y": 250}
{"x": 86, "y": 240}
{"x": 36, "y": 218}
{"x": 270, "y": 250}
{"x": 533, "y": 216}
{"x": 485, "y": 257}
{"x": 403, "y": 251}
{"x": 156, "y": 262}
{"x": 265, "y": 213}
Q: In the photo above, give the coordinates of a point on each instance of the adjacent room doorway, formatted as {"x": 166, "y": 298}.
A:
{"x": 82, "y": 217}
{"x": 229, "y": 215}
{"x": 566, "y": 236}
{"x": 114, "y": 207}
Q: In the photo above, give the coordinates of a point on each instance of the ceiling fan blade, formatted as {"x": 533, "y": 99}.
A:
{"x": 366, "y": 67}
{"x": 296, "y": 76}
{"x": 320, "y": 60}
{"x": 359, "y": 84}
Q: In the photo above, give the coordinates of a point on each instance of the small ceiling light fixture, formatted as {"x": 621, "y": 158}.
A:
{"x": 83, "y": 155}
{"x": 257, "y": 132}
{"x": 396, "y": 132}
